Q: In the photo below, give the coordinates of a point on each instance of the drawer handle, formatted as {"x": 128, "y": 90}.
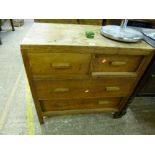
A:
{"x": 103, "y": 102}
{"x": 153, "y": 75}
{"x": 118, "y": 63}
{"x": 108, "y": 88}
{"x": 61, "y": 65}
{"x": 61, "y": 90}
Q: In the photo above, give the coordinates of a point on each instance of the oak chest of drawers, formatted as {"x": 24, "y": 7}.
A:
{"x": 69, "y": 73}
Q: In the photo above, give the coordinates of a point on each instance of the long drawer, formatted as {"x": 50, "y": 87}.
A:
{"x": 81, "y": 89}
{"x": 58, "y": 105}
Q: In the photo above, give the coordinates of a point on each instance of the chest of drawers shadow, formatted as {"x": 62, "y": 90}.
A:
{"x": 70, "y": 74}
{"x": 146, "y": 85}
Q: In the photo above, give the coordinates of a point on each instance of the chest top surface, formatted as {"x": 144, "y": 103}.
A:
{"x": 43, "y": 34}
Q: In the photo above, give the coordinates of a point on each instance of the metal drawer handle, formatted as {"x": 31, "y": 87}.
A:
{"x": 61, "y": 65}
{"x": 103, "y": 102}
{"x": 118, "y": 63}
{"x": 110, "y": 88}
{"x": 61, "y": 90}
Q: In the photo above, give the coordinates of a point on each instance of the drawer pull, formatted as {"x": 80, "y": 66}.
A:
{"x": 86, "y": 91}
{"x": 103, "y": 61}
{"x": 61, "y": 90}
{"x": 103, "y": 102}
{"x": 112, "y": 88}
{"x": 61, "y": 65}
{"x": 118, "y": 63}
{"x": 153, "y": 75}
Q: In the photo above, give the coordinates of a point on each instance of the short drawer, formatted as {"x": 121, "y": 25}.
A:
{"x": 59, "y": 64}
{"x": 103, "y": 64}
{"x": 58, "y": 105}
{"x": 81, "y": 89}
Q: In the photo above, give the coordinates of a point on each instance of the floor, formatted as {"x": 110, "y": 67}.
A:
{"x": 18, "y": 115}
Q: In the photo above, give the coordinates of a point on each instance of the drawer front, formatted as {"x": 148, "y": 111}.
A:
{"x": 59, "y": 64}
{"x": 81, "y": 89}
{"x": 115, "y": 63}
{"x": 58, "y": 105}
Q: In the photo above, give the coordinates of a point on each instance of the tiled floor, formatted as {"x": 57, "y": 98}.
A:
{"x": 18, "y": 115}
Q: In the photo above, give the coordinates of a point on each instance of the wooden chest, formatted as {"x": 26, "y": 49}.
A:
{"x": 69, "y": 73}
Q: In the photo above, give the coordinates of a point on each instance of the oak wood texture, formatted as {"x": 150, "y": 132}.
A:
{"x": 116, "y": 63}
{"x": 71, "y": 21}
{"x": 143, "y": 66}
{"x": 90, "y": 21}
{"x": 69, "y": 73}
{"x": 62, "y": 21}
{"x": 83, "y": 89}
{"x": 80, "y": 111}
{"x": 57, "y": 105}
{"x": 59, "y": 64}
{"x": 43, "y": 36}
{"x": 30, "y": 80}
